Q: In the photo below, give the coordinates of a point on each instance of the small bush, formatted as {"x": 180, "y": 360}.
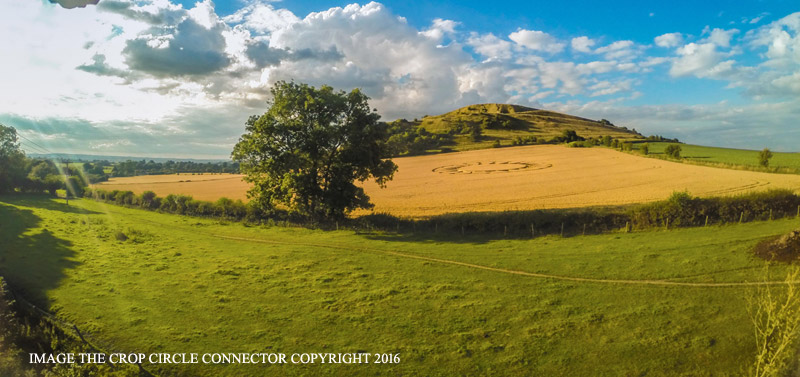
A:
{"x": 673, "y": 151}
{"x": 120, "y": 236}
{"x": 576, "y": 144}
{"x": 775, "y": 314}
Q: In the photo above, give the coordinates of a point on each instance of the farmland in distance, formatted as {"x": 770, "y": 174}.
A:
{"x": 516, "y": 178}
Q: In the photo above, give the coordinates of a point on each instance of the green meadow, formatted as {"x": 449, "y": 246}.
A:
{"x": 141, "y": 281}
{"x": 731, "y": 157}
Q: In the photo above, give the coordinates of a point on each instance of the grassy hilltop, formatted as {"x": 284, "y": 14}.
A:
{"x": 502, "y": 125}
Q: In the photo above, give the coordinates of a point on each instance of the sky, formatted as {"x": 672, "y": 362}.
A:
{"x": 174, "y": 78}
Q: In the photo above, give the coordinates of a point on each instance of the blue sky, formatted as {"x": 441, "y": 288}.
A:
{"x": 169, "y": 78}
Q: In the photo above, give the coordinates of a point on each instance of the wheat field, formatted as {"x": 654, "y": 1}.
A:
{"x": 200, "y": 186}
{"x": 517, "y": 178}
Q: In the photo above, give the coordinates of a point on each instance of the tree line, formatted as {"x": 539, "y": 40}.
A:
{"x": 678, "y": 211}
{"x": 20, "y": 173}
{"x": 133, "y": 168}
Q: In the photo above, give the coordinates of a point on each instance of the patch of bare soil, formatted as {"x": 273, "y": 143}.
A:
{"x": 785, "y": 248}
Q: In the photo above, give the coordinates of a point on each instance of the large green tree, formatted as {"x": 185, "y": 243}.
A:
{"x": 12, "y": 160}
{"x": 308, "y": 150}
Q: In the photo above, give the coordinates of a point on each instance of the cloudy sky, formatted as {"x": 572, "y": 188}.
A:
{"x": 169, "y": 78}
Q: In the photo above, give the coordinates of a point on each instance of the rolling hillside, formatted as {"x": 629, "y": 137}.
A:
{"x": 509, "y": 125}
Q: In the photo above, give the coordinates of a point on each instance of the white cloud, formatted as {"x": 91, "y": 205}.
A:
{"x": 198, "y": 76}
{"x": 582, "y": 44}
{"x": 778, "y": 74}
{"x": 490, "y": 46}
{"x": 669, "y": 40}
{"x": 653, "y": 61}
{"x": 440, "y": 28}
{"x": 402, "y": 70}
{"x": 597, "y": 67}
{"x": 756, "y": 19}
{"x": 722, "y": 38}
{"x": 262, "y": 18}
{"x": 604, "y": 88}
{"x": 537, "y": 41}
{"x": 625, "y": 50}
{"x": 696, "y": 59}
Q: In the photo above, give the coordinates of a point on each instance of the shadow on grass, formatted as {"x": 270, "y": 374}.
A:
{"x": 429, "y": 238}
{"x": 483, "y": 227}
{"x": 45, "y": 202}
{"x": 32, "y": 264}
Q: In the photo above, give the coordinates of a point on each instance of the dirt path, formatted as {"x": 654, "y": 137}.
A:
{"x": 517, "y": 272}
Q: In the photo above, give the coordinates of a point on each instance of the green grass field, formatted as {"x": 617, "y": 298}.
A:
{"x": 727, "y": 156}
{"x": 181, "y": 284}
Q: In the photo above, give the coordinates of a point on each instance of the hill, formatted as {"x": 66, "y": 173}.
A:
{"x": 492, "y": 125}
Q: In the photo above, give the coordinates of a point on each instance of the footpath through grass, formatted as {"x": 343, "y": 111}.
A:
{"x": 174, "y": 285}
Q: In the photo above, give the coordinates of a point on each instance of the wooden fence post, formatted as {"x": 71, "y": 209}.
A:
{"x": 667, "y": 223}
{"x": 562, "y": 229}
{"x": 505, "y": 230}
{"x": 706, "y": 221}
{"x": 533, "y": 231}
{"x": 741, "y": 217}
{"x": 770, "y": 213}
{"x": 584, "y": 229}
{"x": 627, "y": 227}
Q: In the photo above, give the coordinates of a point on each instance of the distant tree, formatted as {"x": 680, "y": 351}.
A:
{"x": 12, "y": 160}
{"x": 148, "y": 199}
{"x": 496, "y": 144}
{"x": 52, "y": 183}
{"x": 476, "y": 133}
{"x": 644, "y": 148}
{"x": 673, "y": 151}
{"x": 308, "y": 149}
{"x": 764, "y": 156}
{"x": 75, "y": 186}
{"x": 569, "y": 136}
{"x": 42, "y": 169}
{"x": 606, "y": 140}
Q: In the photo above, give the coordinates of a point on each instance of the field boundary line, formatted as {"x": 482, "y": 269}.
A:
{"x": 518, "y": 272}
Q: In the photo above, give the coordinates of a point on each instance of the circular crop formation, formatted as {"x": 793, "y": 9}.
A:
{"x": 490, "y": 168}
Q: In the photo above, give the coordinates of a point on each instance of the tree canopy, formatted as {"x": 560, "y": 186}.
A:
{"x": 12, "y": 159}
{"x": 309, "y": 148}
{"x": 764, "y": 156}
{"x": 673, "y": 151}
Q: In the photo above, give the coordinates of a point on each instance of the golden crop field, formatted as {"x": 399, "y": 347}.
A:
{"x": 518, "y": 178}
{"x": 201, "y": 187}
